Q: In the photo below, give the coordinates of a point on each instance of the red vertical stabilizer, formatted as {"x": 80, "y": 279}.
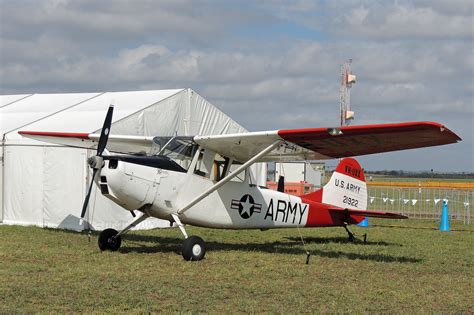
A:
{"x": 346, "y": 189}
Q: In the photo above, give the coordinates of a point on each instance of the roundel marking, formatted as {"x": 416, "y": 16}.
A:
{"x": 246, "y": 206}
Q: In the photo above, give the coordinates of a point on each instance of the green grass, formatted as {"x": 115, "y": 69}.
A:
{"x": 399, "y": 270}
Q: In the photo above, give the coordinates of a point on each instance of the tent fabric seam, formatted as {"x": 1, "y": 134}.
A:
{"x": 143, "y": 108}
{"x": 56, "y": 112}
{"x": 18, "y": 100}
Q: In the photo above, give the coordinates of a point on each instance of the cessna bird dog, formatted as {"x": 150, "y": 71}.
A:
{"x": 204, "y": 180}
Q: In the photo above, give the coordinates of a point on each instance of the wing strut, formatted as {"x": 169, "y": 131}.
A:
{"x": 223, "y": 181}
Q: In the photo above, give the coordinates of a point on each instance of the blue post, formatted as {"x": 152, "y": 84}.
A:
{"x": 364, "y": 223}
{"x": 444, "y": 226}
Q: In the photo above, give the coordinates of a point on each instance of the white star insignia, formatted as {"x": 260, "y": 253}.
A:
{"x": 246, "y": 207}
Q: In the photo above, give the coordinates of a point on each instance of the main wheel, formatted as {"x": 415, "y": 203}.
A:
{"x": 108, "y": 240}
{"x": 193, "y": 248}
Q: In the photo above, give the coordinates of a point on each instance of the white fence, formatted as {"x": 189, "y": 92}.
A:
{"x": 423, "y": 203}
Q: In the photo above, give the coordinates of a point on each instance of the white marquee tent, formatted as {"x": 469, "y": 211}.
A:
{"x": 45, "y": 185}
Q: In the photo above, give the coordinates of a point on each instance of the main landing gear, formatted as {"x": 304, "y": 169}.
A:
{"x": 193, "y": 248}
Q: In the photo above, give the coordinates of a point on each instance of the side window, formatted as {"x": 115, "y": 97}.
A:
{"x": 220, "y": 167}
{"x": 216, "y": 167}
{"x": 204, "y": 163}
{"x": 240, "y": 178}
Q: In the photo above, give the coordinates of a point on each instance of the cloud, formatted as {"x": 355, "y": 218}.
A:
{"x": 383, "y": 20}
{"x": 91, "y": 20}
{"x": 404, "y": 21}
{"x": 408, "y": 66}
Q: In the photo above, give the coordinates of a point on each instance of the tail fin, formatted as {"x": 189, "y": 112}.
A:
{"x": 346, "y": 188}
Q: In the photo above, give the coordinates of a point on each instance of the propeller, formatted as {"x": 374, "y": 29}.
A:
{"x": 97, "y": 162}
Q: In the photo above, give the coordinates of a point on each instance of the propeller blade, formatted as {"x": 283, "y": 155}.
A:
{"x": 104, "y": 134}
{"x": 281, "y": 184}
{"x": 86, "y": 201}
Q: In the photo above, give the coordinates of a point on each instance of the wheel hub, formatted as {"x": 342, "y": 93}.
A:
{"x": 197, "y": 250}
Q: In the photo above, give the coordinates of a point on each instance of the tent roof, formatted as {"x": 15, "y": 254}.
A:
{"x": 28, "y": 109}
{"x": 154, "y": 112}
{"x": 75, "y": 112}
{"x": 89, "y": 116}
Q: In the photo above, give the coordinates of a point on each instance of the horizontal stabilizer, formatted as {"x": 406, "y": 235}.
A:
{"x": 367, "y": 213}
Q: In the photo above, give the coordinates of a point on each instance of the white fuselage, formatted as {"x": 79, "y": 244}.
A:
{"x": 236, "y": 205}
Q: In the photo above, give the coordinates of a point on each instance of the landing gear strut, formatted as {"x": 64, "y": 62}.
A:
{"x": 352, "y": 237}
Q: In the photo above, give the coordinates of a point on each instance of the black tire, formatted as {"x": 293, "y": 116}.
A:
{"x": 107, "y": 241}
{"x": 194, "y": 248}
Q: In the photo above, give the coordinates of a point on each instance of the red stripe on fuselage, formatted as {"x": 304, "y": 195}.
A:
{"x": 320, "y": 216}
{"x": 312, "y": 199}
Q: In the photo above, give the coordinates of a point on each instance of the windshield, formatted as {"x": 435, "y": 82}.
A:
{"x": 179, "y": 149}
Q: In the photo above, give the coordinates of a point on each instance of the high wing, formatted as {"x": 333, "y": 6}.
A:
{"x": 329, "y": 143}
{"x": 116, "y": 143}
{"x": 297, "y": 144}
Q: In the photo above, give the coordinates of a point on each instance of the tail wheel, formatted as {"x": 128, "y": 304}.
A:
{"x": 193, "y": 248}
{"x": 109, "y": 241}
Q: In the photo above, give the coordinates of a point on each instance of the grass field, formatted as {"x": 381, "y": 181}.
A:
{"x": 407, "y": 270}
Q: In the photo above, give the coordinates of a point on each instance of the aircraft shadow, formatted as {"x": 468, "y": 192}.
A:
{"x": 170, "y": 244}
{"x": 339, "y": 240}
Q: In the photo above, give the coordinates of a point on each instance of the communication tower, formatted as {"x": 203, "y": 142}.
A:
{"x": 347, "y": 79}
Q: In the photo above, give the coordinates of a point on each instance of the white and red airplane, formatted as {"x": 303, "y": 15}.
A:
{"x": 204, "y": 180}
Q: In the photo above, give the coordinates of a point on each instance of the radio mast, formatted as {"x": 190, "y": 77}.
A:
{"x": 347, "y": 79}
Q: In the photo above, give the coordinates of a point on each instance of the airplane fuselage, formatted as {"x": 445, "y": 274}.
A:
{"x": 237, "y": 205}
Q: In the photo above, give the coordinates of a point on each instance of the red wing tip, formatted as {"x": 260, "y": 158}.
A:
{"x": 55, "y": 134}
{"x": 442, "y": 128}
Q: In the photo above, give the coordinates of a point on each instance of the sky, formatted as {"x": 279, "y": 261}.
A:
{"x": 268, "y": 64}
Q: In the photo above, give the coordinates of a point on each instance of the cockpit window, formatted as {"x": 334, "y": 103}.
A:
{"x": 179, "y": 149}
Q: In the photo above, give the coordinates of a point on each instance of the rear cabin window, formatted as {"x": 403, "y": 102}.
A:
{"x": 216, "y": 167}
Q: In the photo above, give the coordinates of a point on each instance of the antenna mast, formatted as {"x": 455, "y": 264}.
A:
{"x": 347, "y": 79}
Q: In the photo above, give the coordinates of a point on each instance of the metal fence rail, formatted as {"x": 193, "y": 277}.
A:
{"x": 422, "y": 203}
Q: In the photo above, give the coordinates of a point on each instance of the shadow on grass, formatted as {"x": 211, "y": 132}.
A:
{"x": 83, "y": 232}
{"x": 171, "y": 244}
{"x": 339, "y": 240}
{"x": 372, "y": 257}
